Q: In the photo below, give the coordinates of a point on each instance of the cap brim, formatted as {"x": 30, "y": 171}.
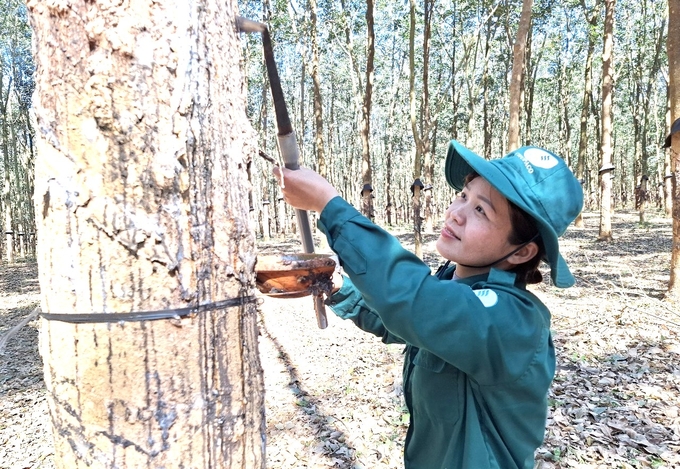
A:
{"x": 460, "y": 162}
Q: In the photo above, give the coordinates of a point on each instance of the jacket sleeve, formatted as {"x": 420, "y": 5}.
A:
{"x": 493, "y": 342}
{"x": 347, "y": 303}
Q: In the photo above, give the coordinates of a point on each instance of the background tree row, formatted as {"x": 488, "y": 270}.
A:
{"x": 442, "y": 71}
{"x": 16, "y": 132}
{"x": 378, "y": 89}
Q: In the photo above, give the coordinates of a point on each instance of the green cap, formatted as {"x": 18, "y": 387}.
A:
{"x": 538, "y": 182}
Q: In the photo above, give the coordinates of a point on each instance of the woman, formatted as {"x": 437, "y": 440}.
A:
{"x": 479, "y": 358}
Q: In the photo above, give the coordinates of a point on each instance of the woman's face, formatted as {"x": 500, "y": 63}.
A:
{"x": 476, "y": 229}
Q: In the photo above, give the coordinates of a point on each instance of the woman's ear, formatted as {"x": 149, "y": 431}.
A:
{"x": 525, "y": 254}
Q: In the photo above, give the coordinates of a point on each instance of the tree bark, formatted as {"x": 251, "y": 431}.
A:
{"x": 529, "y": 86}
{"x": 426, "y": 119}
{"x": 517, "y": 78}
{"x": 7, "y": 186}
{"x": 417, "y": 144}
{"x": 585, "y": 108}
{"x": 667, "y": 181}
{"x": 673, "y": 49}
{"x": 413, "y": 116}
{"x": 362, "y": 100}
{"x": 646, "y": 111}
{"x": 389, "y": 142}
{"x": 142, "y": 205}
{"x": 486, "y": 92}
{"x": 303, "y": 102}
{"x": 565, "y": 95}
{"x": 606, "y": 150}
{"x": 365, "y": 129}
{"x": 318, "y": 102}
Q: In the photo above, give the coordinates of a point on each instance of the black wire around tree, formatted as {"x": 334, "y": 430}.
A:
{"x": 91, "y": 318}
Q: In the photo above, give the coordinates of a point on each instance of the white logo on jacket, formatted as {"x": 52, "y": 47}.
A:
{"x": 488, "y": 297}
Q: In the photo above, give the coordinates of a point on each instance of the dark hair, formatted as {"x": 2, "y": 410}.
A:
{"x": 523, "y": 231}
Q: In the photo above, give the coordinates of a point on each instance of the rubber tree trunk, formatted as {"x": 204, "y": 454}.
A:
{"x": 365, "y": 127}
{"x": 585, "y": 113}
{"x": 673, "y": 48}
{"x": 142, "y": 205}
{"x": 427, "y": 127}
{"x": 517, "y": 77}
{"x": 7, "y": 186}
{"x": 606, "y": 149}
{"x": 318, "y": 99}
{"x": 416, "y": 204}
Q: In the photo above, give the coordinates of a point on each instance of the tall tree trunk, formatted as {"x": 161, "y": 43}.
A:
{"x": 7, "y": 187}
{"x": 645, "y": 112}
{"x": 529, "y": 86}
{"x": 365, "y": 130}
{"x": 565, "y": 96}
{"x": 318, "y": 103}
{"x": 21, "y": 199}
{"x": 667, "y": 179}
{"x": 390, "y": 202}
{"x": 359, "y": 100}
{"x": 417, "y": 145}
{"x": 303, "y": 118}
{"x": 486, "y": 92}
{"x": 673, "y": 49}
{"x": 426, "y": 118}
{"x": 606, "y": 149}
{"x": 391, "y": 213}
{"x": 585, "y": 108}
{"x": 517, "y": 78}
{"x": 472, "y": 83}
{"x": 142, "y": 204}
{"x": 455, "y": 89}
{"x": 331, "y": 128}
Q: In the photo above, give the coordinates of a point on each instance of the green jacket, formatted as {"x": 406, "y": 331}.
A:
{"x": 479, "y": 358}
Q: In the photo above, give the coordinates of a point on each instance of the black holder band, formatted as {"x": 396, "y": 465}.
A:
{"x": 90, "y": 318}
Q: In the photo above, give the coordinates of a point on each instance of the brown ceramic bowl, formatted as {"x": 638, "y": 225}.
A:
{"x": 294, "y": 275}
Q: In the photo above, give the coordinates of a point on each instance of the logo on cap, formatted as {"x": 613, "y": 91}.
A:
{"x": 540, "y": 158}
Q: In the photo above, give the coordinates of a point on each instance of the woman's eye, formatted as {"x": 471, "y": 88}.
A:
{"x": 480, "y": 209}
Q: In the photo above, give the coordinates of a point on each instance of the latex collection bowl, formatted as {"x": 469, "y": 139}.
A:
{"x": 294, "y": 275}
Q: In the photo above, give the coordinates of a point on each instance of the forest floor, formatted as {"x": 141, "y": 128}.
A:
{"x": 334, "y": 397}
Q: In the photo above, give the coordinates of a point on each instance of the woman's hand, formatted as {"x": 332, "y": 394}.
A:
{"x": 305, "y": 189}
{"x": 337, "y": 280}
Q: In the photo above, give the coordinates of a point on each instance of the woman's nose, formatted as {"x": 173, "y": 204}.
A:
{"x": 455, "y": 213}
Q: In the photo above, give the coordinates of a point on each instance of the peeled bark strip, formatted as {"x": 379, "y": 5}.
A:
{"x": 142, "y": 204}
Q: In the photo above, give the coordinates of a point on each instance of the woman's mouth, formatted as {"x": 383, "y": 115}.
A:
{"x": 447, "y": 233}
